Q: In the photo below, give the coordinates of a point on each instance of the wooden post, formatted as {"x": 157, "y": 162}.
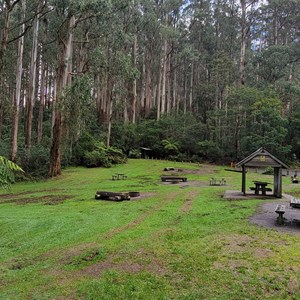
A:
{"x": 244, "y": 180}
{"x": 278, "y": 182}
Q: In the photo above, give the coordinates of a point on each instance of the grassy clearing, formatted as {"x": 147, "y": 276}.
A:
{"x": 177, "y": 242}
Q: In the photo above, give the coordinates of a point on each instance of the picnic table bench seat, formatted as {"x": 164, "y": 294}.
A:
{"x": 173, "y": 178}
{"x": 280, "y": 210}
{"x": 252, "y": 188}
{"x": 295, "y": 203}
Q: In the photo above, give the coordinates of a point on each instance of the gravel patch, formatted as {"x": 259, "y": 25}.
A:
{"x": 266, "y": 216}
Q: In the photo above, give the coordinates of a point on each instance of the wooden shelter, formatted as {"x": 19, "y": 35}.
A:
{"x": 261, "y": 158}
{"x": 146, "y": 152}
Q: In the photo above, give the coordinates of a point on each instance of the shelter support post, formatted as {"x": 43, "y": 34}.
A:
{"x": 278, "y": 182}
{"x": 244, "y": 180}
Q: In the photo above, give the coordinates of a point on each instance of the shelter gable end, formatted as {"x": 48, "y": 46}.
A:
{"x": 262, "y": 160}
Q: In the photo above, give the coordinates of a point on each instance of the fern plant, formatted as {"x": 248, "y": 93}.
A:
{"x": 7, "y": 172}
{"x": 170, "y": 145}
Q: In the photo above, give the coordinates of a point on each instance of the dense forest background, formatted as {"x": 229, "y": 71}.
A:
{"x": 90, "y": 82}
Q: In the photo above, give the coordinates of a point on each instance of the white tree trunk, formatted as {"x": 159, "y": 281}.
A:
{"x": 65, "y": 48}
{"x": 42, "y": 102}
{"x": 158, "y": 101}
{"x": 164, "y": 78}
{"x": 19, "y": 72}
{"x": 134, "y": 83}
{"x": 191, "y": 88}
{"x": 243, "y": 42}
{"x": 32, "y": 82}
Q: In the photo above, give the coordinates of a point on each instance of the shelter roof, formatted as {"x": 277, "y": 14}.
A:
{"x": 262, "y": 158}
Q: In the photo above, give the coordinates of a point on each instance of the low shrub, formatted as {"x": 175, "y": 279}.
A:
{"x": 135, "y": 153}
{"x": 96, "y": 159}
{"x": 181, "y": 157}
{"x": 115, "y": 156}
{"x": 103, "y": 157}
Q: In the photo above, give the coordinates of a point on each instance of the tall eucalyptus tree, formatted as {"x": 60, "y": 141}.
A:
{"x": 32, "y": 76}
{"x": 63, "y": 73}
{"x": 17, "y": 96}
{"x": 6, "y": 9}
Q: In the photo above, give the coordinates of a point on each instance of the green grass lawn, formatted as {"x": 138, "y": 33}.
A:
{"x": 58, "y": 242}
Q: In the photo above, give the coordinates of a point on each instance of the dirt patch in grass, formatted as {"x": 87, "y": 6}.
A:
{"x": 17, "y": 195}
{"x": 97, "y": 269}
{"x": 234, "y": 265}
{"x": 234, "y": 249}
{"x": 186, "y": 184}
{"x": 187, "y": 206}
{"x": 11, "y": 196}
{"x": 293, "y": 286}
{"x": 188, "y": 203}
{"x": 163, "y": 232}
{"x": 83, "y": 252}
{"x": 17, "y": 263}
{"x": 141, "y": 261}
{"x": 262, "y": 253}
{"x": 142, "y": 196}
{"x": 235, "y": 243}
{"x": 47, "y": 200}
{"x": 142, "y": 217}
{"x": 67, "y": 256}
{"x": 203, "y": 170}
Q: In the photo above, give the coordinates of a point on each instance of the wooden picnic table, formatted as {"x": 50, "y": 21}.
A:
{"x": 119, "y": 176}
{"x": 214, "y": 181}
{"x": 260, "y": 186}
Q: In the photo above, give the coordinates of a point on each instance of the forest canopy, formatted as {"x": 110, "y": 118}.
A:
{"x": 90, "y": 82}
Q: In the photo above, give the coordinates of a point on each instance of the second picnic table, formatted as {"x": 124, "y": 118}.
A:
{"x": 118, "y": 176}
